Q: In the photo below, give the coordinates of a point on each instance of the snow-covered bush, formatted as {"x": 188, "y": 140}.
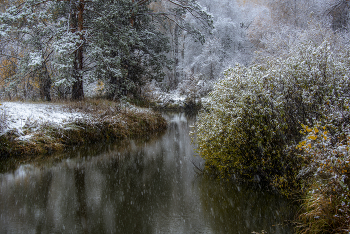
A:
{"x": 194, "y": 88}
{"x": 241, "y": 132}
{"x": 326, "y": 172}
{"x": 151, "y": 90}
{"x": 254, "y": 115}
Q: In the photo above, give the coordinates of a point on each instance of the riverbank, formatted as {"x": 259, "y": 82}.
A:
{"x": 29, "y": 129}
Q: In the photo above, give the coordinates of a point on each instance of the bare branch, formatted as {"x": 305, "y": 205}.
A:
{"x": 142, "y": 2}
{"x": 9, "y": 56}
{"x": 190, "y": 10}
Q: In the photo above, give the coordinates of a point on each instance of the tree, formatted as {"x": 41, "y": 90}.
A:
{"x": 65, "y": 35}
{"x": 181, "y": 21}
{"x": 138, "y": 52}
{"x": 77, "y": 26}
{"x": 126, "y": 49}
{"x": 28, "y": 28}
{"x": 70, "y": 45}
{"x": 340, "y": 15}
{"x": 227, "y": 43}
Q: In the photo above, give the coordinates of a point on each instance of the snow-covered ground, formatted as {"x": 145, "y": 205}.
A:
{"x": 18, "y": 114}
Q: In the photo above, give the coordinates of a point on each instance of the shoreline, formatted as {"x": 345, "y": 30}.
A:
{"x": 99, "y": 121}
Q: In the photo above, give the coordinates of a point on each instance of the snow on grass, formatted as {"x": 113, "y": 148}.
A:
{"x": 38, "y": 129}
{"x": 18, "y": 114}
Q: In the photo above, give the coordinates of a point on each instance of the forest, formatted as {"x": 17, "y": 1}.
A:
{"x": 271, "y": 77}
{"x": 54, "y": 50}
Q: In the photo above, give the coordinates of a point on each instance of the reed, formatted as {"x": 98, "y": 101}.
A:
{"x": 323, "y": 210}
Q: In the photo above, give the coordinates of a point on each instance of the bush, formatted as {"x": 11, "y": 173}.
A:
{"x": 325, "y": 175}
{"x": 253, "y": 117}
{"x": 195, "y": 87}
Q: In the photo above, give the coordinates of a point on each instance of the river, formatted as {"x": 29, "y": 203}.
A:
{"x": 149, "y": 186}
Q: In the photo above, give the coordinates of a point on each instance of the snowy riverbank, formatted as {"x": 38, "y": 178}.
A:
{"x": 19, "y": 115}
{"x": 42, "y": 128}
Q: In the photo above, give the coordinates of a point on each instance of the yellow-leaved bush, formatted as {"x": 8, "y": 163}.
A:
{"x": 325, "y": 173}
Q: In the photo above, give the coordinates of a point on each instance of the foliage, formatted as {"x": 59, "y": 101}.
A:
{"x": 28, "y": 29}
{"x": 325, "y": 175}
{"x": 8, "y": 69}
{"x": 61, "y": 45}
{"x": 254, "y": 116}
{"x": 240, "y": 130}
{"x": 126, "y": 54}
{"x": 195, "y": 87}
{"x": 224, "y": 46}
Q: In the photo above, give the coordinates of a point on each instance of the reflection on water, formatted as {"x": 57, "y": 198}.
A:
{"x": 238, "y": 208}
{"x": 147, "y": 187}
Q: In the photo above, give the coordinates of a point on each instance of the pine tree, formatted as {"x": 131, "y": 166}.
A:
{"x": 126, "y": 48}
{"x": 62, "y": 43}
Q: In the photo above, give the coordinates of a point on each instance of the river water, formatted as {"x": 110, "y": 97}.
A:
{"x": 147, "y": 186}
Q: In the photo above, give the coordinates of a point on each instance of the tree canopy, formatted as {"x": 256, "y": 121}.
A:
{"x": 64, "y": 44}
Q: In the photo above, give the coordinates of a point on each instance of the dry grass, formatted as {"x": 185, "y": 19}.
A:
{"x": 318, "y": 213}
{"x": 322, "y": 213}
{"x": 97, "y": 107}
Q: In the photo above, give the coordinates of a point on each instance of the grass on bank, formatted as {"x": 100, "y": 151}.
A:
{"x": 103, "y": 121}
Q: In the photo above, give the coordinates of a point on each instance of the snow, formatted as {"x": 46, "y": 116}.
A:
{"x": 177, "y": 97}
{"x": 167, "y": 98}
{"x": 20, "y": 113}
{"x": 36, "y": 59}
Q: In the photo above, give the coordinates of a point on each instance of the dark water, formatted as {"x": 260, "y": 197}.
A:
{"x": 144, "y": 187}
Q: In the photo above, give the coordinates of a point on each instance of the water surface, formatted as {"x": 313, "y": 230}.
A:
{"x": 141, "y": 187}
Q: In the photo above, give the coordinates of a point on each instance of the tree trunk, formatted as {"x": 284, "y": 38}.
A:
{"x": 176, "y": 54}
{"x": 77, "y": 18}
{"x": 45, "y": 84}
{"x": 77, "y": 88}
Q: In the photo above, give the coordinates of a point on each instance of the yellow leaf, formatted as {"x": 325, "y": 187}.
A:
{"x": 312, "y": 137}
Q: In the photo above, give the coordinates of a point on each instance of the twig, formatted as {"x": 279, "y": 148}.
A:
{"x": 201, "y": 170}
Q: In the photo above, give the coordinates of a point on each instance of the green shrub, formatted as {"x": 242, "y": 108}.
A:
{"x": 253, "y": 117}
